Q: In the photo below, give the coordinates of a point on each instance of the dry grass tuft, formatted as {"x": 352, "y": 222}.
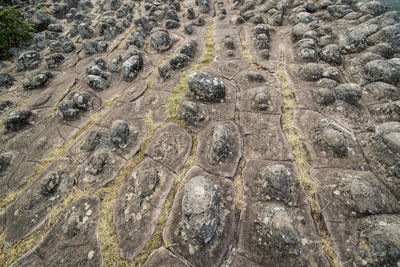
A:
{"x": 302, "y": 160}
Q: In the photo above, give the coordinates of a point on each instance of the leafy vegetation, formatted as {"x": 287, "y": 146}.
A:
{"x": 13, "y": 28}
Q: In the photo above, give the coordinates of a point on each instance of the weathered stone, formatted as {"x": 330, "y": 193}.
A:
{"x": 160, "y": 40}
{"x": 201, "y": 223}
{"x": 54, "y": 61}
{"x": 206, "y": 87}
{"x": 366, "y": 197}
{"x": 190, "y": 13}
{"x": 379, "y": 240}
{"x": 29, "y": 60}
{"x": 200, "y": 210}
{"x": 331, "y": 53}
{"x": 72, "y": 239}
{"x": 191, "y": 112}
{"x": 17, "y": 120}
{"x": 172, "y": 24}
{"x": 119, "y": 133}
{"x": 384, "y": 70}
{"x": 98, "y": 162}
{"x": 335, "y": 141}
{"x": 204, "y": 5}
{"x": 98, "y": 83}
{"x": 85, "y": 31}
{"x": 323, "y": 96}
{"x": 261, "y": 99}
{"x": 189, "y": 48}
{"x": 219, "y": 147}
{"x": 311, "y": 72}
{"x": 163, "y": 258}
{"x": 55, "y": 27}
{"x": 352, "y": 41}
{"x": 37, "y": 80}
{"x": 170, "y": 146}
{"x": 31, "y": 209}
{"x": 349, "y": 92}
{"x": 6, "y": 81}
{"x": 188, "y": 29}
{"x": 131, "y": 67}
{"x": 389, "y": 34}
{"x": 382, "y": 49}
{"x": 138, "y": 206}
{"x": 5, "y": 162}
{"x": 179, "y": 61}
{"x": 75, "y": 103}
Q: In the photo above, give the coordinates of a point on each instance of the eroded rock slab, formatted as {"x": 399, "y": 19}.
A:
{"x": 99, "y": 169}
{"x": 272, "y": 180}
{"x": 162, "y": 257}
{"x": 329, "y": 143}
{"x": 261, "y": 134}
{"x": 192, "y": 205}
{"x": 31, "y": 209}
{"x": 72, "y": 240}
{"x": 140, "y": 200}
{"x": 170, "y": 146}
{"x": 274, "y": 233}
{"x": 219, "y": 148}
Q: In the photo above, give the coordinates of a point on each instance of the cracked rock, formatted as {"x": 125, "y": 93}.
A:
{"x": 29, "y": 60}
{"x": 200, "y": 210}
{"x": 119, "y": 133}
{"x": 37, "y": 80}
{"x": 191, "y": 112}
{"x": 219, "y": 147}
{"x": 160, "y": 40}
{"x": 17, "y": 120}
{"x": 206, "y": 87}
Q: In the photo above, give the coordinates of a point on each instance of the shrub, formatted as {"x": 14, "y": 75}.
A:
{"x": 13, "y": 28}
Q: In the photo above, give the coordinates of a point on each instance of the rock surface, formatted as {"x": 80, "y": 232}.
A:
{"x": 210, "y": 133}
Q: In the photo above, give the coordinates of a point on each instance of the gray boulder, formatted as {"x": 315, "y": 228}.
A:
{"x": 389, "y": 34}
{"x": 17, "y": 120}
{"x": 384, "y": 70}
{"x": 352, "y": 41}
{"x": 349, "y": 92}
{"x": 160, "y": 40}
{"x": 179, "y": 61}
{"x": 75, "y": 103}
{"x": 323, "y": 96}
{"x": 261, "y": 99}
{"x": 311, "y": 72}
{"x": 37, "y": 80}
{"x": 382, "y": 49}
{"x": 331, "y": 54}
{"x": 119, "y": 133}
{"x": 131, "y": 67}
{"x": 335, "y": 141}
{"x": 53, "y": 61}
{"x": 379, "y": 243}
{"x": 85, "y": 30}
{"x": 204, "y": 5}
{"x": 6, "y": 81}
{"x": 206, "y": 87}
{"x": 200, "y": 210}
{"x": 98, "y": 83}
{"x": 191, "y": 112}
{"x": 55, "y": 27}
{"x": 29, "y": 60}
{"x": 189, "y": 48}
{"x": 219, "y": 146}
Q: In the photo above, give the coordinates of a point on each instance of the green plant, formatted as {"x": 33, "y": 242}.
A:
{"x": 13, "y": 28}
